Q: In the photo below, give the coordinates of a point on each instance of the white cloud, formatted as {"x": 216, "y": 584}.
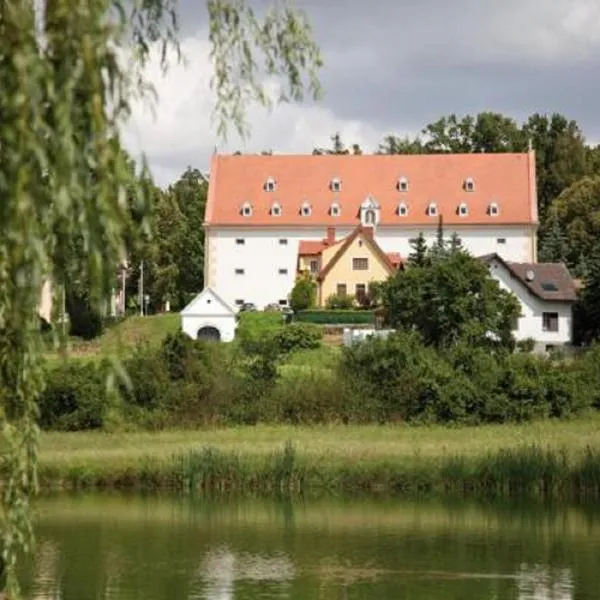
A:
{"x": 549, "y": 33}
{"x": 179, "y": 131}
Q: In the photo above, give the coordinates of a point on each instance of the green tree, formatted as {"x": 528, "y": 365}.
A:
{"x": 190, "y": 193}
{"x": 338, "y": 147}
{"x": 303, "y": 294}
{"x": 587, "y": 309}
{"x": 454, "y": 243}
{"x": 418, "y": 256}
{"x": 439, "y": 249}
{"x": 400, "y": 145}
{"x": 554, "y": 247}
{"x": 493, "y": 132}
{"x": 63, "y": 95}
{"x": 451, "y": 300}
{"x": 560, "y": 156}
{"x": 577, "y": 209}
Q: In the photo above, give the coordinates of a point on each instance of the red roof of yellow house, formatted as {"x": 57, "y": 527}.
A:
{"x": 310, "y": 247}
{"x": 260, "y": 190}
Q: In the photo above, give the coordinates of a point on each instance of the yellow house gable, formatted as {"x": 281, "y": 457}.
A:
{"x": 349, "y": 268}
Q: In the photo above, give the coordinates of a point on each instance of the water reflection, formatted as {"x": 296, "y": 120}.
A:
{"x": 540, "y": 582}
{"x": 152, "y": 549}
{"x": 222, "y": 568}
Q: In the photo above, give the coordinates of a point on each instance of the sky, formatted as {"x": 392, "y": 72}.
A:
{"x": 391, "y": 67}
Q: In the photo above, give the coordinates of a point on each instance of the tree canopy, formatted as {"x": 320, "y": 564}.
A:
{"x": 452, "y": 297}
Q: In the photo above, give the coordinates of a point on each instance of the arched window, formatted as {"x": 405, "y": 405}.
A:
{"x": 370, "y": 217}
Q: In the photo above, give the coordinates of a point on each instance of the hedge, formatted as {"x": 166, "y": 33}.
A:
{"x": 336, "y": 317}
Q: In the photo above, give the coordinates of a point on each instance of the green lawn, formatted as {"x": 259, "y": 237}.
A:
{"x": 119, "y": 340}
{"x": 334, "y": 443}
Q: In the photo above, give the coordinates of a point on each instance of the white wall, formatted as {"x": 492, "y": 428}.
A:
{"x": 226, "y": 325}
{"x": 477, "y": 241}
{"x": 206, "y": 310}
{"x": 262, "y": 255}
{"x": 532, "y": 309}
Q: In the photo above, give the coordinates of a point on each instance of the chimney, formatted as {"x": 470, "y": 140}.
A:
{"x": 330, "y": 236}
{"x": 368, "y": 231}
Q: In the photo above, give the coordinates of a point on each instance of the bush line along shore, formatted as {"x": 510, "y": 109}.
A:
{"x": 522, "y": 471}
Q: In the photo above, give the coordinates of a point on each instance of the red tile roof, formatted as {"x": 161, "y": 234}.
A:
{"x": 310, "y": 247}
{"x": 506, "y": 179}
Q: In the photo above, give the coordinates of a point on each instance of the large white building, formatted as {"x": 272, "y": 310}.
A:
{"x": 260, "y": 208}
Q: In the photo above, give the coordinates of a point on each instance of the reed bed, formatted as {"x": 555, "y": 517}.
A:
{"x": 546, "y": 459}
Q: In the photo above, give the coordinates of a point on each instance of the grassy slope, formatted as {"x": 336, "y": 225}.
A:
{"x": 120, "y": 339}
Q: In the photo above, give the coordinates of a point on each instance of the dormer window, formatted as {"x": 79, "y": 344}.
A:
{"x": 463, "y": 210}
{"x": 403, "y": 184}
{"x": 402, "y": 209}
{"x": 432, "y": 210}
{"x": 469, "y": 184}
{"x": 493, "y": 209}
{"x": 246, "y": 209}
{"x": 335, "y": 210}
{"x": 335, "y": 185}
{"x": 276, "y": 209}
{"x": 270, "y": 185}
{"x": 305, "y": 209}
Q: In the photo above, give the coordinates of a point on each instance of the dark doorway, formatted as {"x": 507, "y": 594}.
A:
{"x": 209, "y": 334}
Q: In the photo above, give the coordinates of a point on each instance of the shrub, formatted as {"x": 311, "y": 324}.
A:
{"x": 297, "y": 336}
{"x": 304, "y": 294}
{"x": 316, "y": 396}
{"x": 340, "y": 301}
{"x": 336, "y": 317}
{"x": 527, "y": 345}
{"x": 75, "y": 397}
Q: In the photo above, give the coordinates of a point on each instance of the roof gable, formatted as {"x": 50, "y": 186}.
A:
{"x": 501, "y": 179}
{"x": 208, "y": 302}
{"x": 366, "y": 234}
{"x": 550, "y": 282}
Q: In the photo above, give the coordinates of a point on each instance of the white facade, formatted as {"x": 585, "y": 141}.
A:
{"x": 531, "y": 322}
{"x": 262, "y": 268}
{"x": 208, "y": 312}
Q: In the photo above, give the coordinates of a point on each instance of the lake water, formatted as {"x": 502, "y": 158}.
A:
{"x": 115, "y": 547}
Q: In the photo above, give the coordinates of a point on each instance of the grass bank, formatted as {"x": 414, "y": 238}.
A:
{"x": 546, "y": 459}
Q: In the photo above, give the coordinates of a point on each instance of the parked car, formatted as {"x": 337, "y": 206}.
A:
{"x": 248, "y": 307}
{"x": 273, "y": 307}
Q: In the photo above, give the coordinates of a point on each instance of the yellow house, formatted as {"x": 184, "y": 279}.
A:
{"x": 348, "y": 266}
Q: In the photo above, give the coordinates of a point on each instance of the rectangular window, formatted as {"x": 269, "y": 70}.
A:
{"x": 361, "y": 291}
{"x": 501, "y": 241}
{"x": 314, "y": 266}
{"x": 239, "y": 271}
{"x": 283, "y": 242}
{"x": 283, "y": 271}
{"x": 283, "y": 302}
{"x": 240, "y": 241}
{"x": 239, "y": 302}
{"x": 360, "y": 264}
{"x": 342, "y": 289}
{"x": 550, "y": 321}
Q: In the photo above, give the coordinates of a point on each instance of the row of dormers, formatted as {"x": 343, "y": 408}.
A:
{"x": 335, "y": 184}
{"x": 335, "y": 210}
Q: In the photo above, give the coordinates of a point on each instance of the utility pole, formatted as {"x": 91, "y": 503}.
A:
{"x": 123, "y": 278}
{"x": 142, "y": 289}
{"x": 64, "y": 311}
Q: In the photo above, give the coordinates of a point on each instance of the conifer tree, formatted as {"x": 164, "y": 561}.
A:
{"x": 418, "y": 256}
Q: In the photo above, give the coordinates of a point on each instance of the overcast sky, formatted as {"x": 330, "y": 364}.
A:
{"x": 391, "y": 66}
